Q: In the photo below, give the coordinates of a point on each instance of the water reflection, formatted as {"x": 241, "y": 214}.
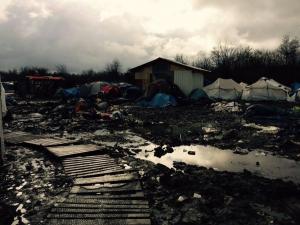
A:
{"x": 225, "y": 160}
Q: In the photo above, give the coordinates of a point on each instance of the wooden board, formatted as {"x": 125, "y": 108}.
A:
{"x": 97, "y": 215}
{"x": 86, "y": 158}
{"x": 127, "y": 187}
{"x": 104, "y": 206}
{"x": 84, "y": 200}
{"x": 107, "y": 179}
{"x": 99, "y": 222}
{"x": 47, "y": 142}
{"x": 135, "y": 195}
{"x": 19, "y": 137}
{"x": 64, "y": 151}
{"x": 98, "y": 210}
{"x": 105, "y": 171}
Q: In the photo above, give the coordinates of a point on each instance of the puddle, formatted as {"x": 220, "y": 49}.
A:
{"x": 225, "y": 160}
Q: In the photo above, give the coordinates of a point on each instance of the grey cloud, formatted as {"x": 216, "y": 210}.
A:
{"x": 72, "y": 36}
{"x": 260, "y": 20}
{"x": 50, "y": 32}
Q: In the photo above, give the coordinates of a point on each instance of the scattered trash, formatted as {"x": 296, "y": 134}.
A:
{"x": 182, "y": 198}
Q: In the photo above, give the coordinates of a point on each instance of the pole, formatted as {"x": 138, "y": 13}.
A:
{"x": 1, "y": 129}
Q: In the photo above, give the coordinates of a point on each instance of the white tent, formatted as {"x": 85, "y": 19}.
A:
{"x": 265, "y": 90}
{"x": 226, "y": 89}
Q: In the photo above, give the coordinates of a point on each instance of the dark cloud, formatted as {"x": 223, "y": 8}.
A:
{"x": 87, "y": 34}
{"x": 259, "y": 20}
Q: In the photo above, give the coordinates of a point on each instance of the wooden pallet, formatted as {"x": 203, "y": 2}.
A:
{"x": 19, "y": 137}
{"x": 71, "y": 150}
{"x": 104, "y": 193}
{"x": 48, "y": 142}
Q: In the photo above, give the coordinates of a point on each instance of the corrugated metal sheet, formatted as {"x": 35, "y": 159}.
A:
{"x": 187, "y": 80}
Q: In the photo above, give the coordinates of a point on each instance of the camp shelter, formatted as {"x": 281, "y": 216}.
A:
{"x": 198, "y": 94}
{"x": 186, "y": 77}
{"x": 90, "y": 89}
{"x": 225, "y": 89}
{"x": 160, "y": 100}
{"x": 39, "y": 86}
{"x": 265, "y": 90}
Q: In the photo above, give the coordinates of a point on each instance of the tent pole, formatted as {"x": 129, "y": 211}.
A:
{"x": 1, "y": 129}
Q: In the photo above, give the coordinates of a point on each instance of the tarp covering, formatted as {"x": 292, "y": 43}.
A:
{"x": 266, "y": 90}
{"x": 91, "y": 89}
{"x": 295, "y": 86}
{"x": 71, "y": 92}
{"x": 163, "y": 86}
{"x": 160, "y": 100}
{"x": 110, "y": 91}
{"x": 198, "y": 94}
{"x": 132, "y": 92}
{"x": 226, "y": 89}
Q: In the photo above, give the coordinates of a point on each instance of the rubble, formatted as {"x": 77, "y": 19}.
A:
{"x": 178, "y": 193}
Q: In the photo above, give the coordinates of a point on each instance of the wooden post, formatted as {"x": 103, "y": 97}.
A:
{"x": 1, "y": 129}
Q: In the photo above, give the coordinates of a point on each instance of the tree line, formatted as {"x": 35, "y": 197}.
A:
{"x": 248, "y": 65}
{"x": 241, "y": 63}
{"x": 111, "y": 73}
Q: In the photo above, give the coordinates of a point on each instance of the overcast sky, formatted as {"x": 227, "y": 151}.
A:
{"x": 84, "y": 34}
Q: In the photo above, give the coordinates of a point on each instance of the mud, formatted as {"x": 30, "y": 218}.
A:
{"x": 250, "y": 179}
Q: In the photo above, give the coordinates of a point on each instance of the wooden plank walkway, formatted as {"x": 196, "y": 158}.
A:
{"x": 19, "y": 137}
{"x": 71, "y": 150}
{"x": 47, "y": 142}
{"x": 104, "y": 193}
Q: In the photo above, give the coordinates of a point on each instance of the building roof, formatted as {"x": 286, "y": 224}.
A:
{"x": 44, "y": 78}
{"x": 172, "y": 62}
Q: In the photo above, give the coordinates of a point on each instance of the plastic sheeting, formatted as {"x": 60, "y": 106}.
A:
{"x": 225, "y": 89}
{"x": 160, "y": 100}
{"x": 266, "y": 90}
{"x": 198, "y": 94}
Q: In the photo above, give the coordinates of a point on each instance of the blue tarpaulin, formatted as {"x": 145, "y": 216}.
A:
{"x": 160, "y": 100}
{"x": 295, "y": 86}
{"x": 198, "y": 94}
{"x": 72, "y": 92}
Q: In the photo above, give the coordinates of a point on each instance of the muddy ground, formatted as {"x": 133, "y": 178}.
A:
{"x": 185, "y": 194}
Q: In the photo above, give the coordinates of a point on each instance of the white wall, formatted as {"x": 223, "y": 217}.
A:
{"x": 187, "y": 80}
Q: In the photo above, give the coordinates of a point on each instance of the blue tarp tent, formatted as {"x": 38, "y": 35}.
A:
{"x": 160, "y": 100}
{"x": 198, "y": 94}
{"x": 295, "y": 86}
{"x": 71, "y": 92}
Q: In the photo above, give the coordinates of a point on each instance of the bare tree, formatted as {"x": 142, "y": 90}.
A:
{"x": 113, "y": 69}
{"x": 62, "y": 69}
{"x": 288, "y": 49}
{"x": 181, "y": 59}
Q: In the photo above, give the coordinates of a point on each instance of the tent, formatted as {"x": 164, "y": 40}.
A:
{"x": 226, "y": 89}
{"x": 132, "y": 93}
{"x": 198, "y": 94}
{"x": 110, "y": 91}
{"x": 295, "y": 86}
{"x": 91, "y": 89}
{"x": 160, "y": 100}
{"x": 266, "y": 90}
{"x": 71, "y": 92}
{"x": 163, "y": 86}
